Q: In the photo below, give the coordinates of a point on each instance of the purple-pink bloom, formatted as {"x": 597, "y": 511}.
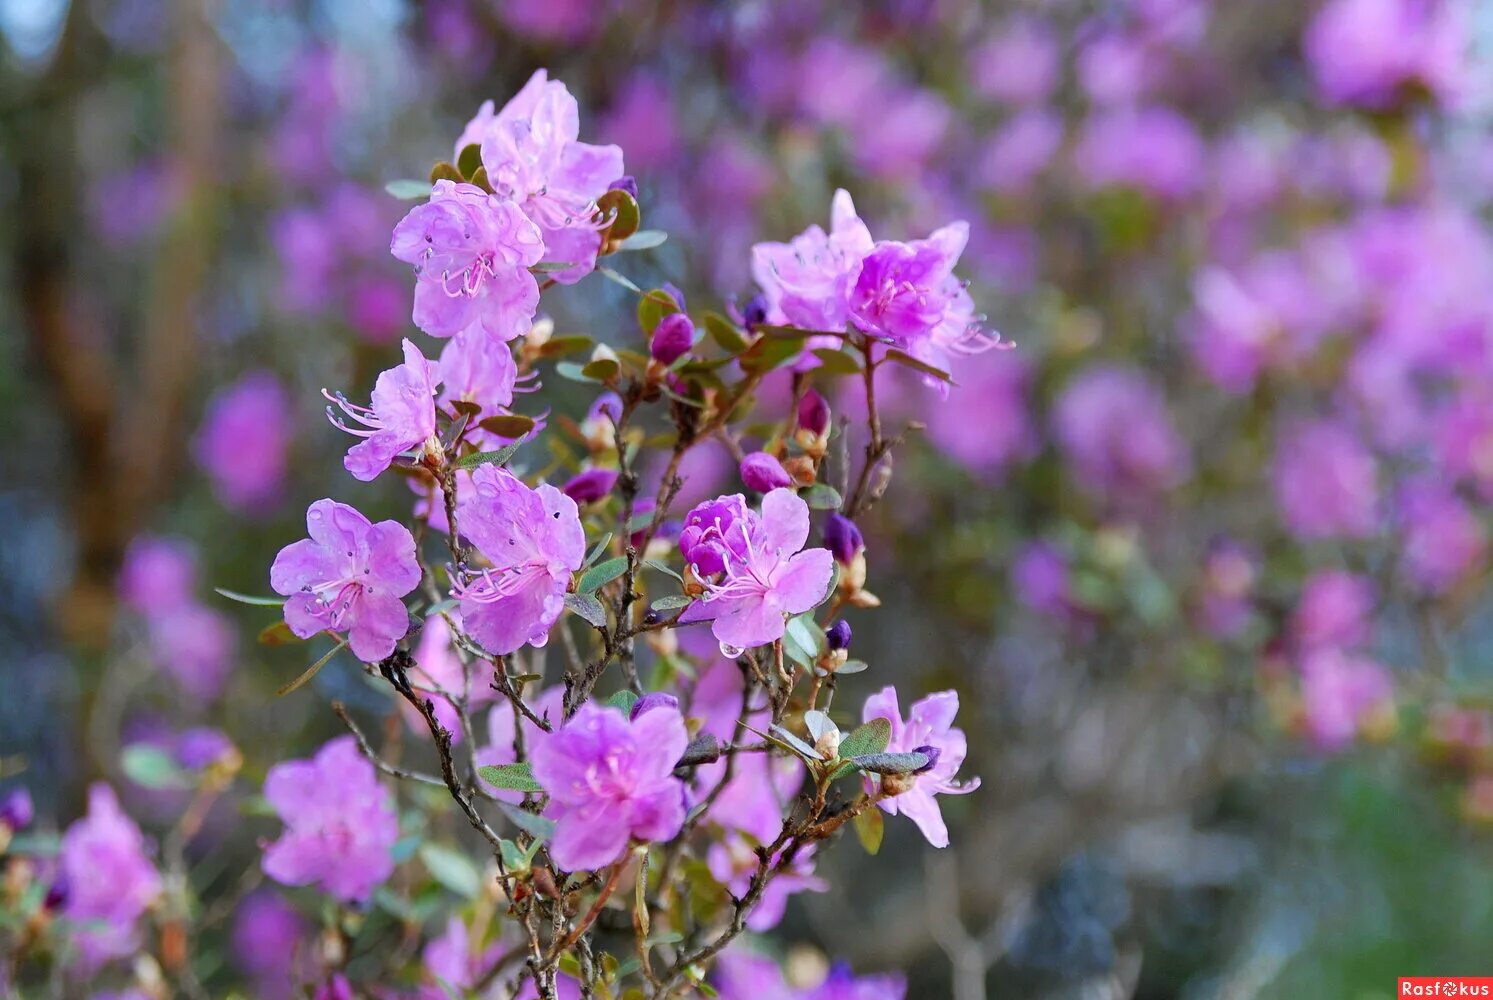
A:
{"x": 930, "y": 723}
{"x": 401, "y": 418}
{"x": 1154, "y": 150}
{"x": 503, "y": 728}
{"x": 741, "y": 975}
{"x": 267, "y": 931}
{"x": 1340, "y": 693}
{"x": 1370, "y": 53}
{"x": 111, "y": 880}
{"x": 533, "y": 540}
{"x": 1333, "y": 611}
{"x": 1112, "y": 425}
{"x": 807, "y": 281}
{"x": 1019, "y": 65}
{"x": 590, "y": 485}
{"x": 1040, "y": 579}
{"x": 16, "y": 809}
{"x": 1326, "y": 481}
{"x": 763, "y": 473}
{"x": 439, "y": 668}
{"x": 987, "y": 425}
{"x": 450, "y": 961}
{"x": 348, "y": 577}
{"x": 471, "y": 252}
{"x": 610, "y": 779}
{"x": 477, "y": 368}
{"x": 158, "y": 575}
{"x": 340, "y": 822}
{"x": 534, "y": 161}
{"x": 711, "y": 537}
{"x": 194, "y": 644}
{"x": 244, "y": 441}
{"x": 1443, "y": 540}
{"x": 766, "y": 576}
{"x": 672, "y": 339}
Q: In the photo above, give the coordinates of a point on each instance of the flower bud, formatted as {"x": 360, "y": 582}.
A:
{"x": 16, "y": 811}
{"x": 932, "y": 753}
{"x": 843, "y": 539}
{"x": 590, "y": 485}
{"x": 672, "y": 338}
{"x": 763, "y": 473}
{"x": 801, "y": 469}
{"x": 754, "y": 313}
{"x": 673, "y": 291}
{"x": 652, "y": 700}
{"x": 58, "y": 894}
{"x": 838, "y": 635}
{"x": 626, "y": 183}
{"x": 813, "y": 414}
{"x": 828, "y": 744}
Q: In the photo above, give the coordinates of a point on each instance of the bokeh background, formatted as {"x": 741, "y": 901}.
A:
{"x": 1205, "y": 555}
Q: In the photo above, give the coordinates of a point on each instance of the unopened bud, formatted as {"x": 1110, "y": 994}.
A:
{"x": 652, "y": 700}
{"x": 838, "y": 635}
{"x": 828, "y": 744}
{"x": 590, "y": 485}
{"x": 802, "y": 470}
{"x": 813, "y": 413}
{"x": 844, "y": 541}
{"x": 754, "y": 313}
{"x": 763, "y": 473}
{"x": 626, "y": 183}
{"x": 16, "y": 810}
{"x": 932, "y": 753}
{"x": 672, "y": 338}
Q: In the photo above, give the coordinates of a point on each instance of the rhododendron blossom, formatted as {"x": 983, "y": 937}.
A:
{"x": 533, "y": 541}
{"x": 401, "y": 418}
{"x": 110, "y": 880}
{"x": 766, "y": 576}
{"x": 929, "y": 729}
{"x": 610, "y": 779}
{"x": 340, "y": 822}
{"x": 348, "y": 577}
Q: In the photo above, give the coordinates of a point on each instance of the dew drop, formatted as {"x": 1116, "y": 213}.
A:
{"x": 731, "y": 652}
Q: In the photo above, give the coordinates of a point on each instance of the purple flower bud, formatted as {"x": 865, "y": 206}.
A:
{"x": 673, "y": 338}
{"x": 843, "y": 539}
{"x": 754, "y": 313}
{"x": 838, "y": 635}
{"x": 16, "y": 811}
{"x": 763, "y": 473}
{"x": 652, "y": 700}
{"x": 932, "y": 753}
{"x": 813, "y": 413}
{"x": 58, "y": 894}
{"x": 675, "y": 293}
{"x": 591, "y": 485}
{"x": 625, "y": 183}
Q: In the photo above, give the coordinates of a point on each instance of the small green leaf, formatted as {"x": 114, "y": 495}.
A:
{"x": 653, "y": 307}
{"x": 822, "y": 496}
{"x": 498, "y": 457}
{"x": 601, "y": 369}
{"x": 469, "y": 159}
{"x": 625, "y": 214}
{"x": 596, "y": 552}
{"x": 452, "y": 869}
{"x": 151, "y": 767}
{"x": 726, "y": 334}
{"x": 623, "y": 701}
{"x": 817, "y": 723}
{"x": 621, "y": 279}
{"x": 662, "y": 568}
{"x": 278, "y": 634}
{"x": 479, "y": 179}
{"x": 869, "y": 828}
{"x": 572, "y": 371}
{"x": 588, "y": 608}
{"x": 836, "y": 362}
{"x": 264, "y": 602}
{"x": 908, "y": 361}
{"x": 851, "y": 667}
{"x": 535, "y": 826}
{"x": 867, "y": 739}
{"x": 891, "y": 763}
{"x": 408, "y": 190}
{"x": 514, "y": 858}
{"x": 771, "y": 352}
{"x": 644, "y": 239}
{"x": 508, "y": 425}
{"x": 803, "y": 640}
{"x": 311, "y": 671}
{"x": 671, "y": 603}
{"x": 441, "y": 170}
{"x": 797, "y": 745}
{"x": 601, "y": 574}
{"x": 568, "y": 343}
{"x": 516, "y": 777}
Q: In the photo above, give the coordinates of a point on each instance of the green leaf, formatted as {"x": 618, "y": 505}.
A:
{"x": 311, "y": 671}
{"x": 263, "y": 602}
{"x": 817, "y": 723}
{"x": 621, "y": 279}
{"x": 908, "y": 361}
{"x": 517, "y": 777}
{"x": 638, "y": 522}
{"x": 588, "y": 608}
{"x": 572, "y": 371}
{"x": 535, "y": 826}
{"x": 673, "y": 602}
{"x": 452, "y": 869}
{"x": 771, "y": 352}
{"x": 653, "y": 307}
{"x": 408, "y": 190}
{"x": 623, "y": 701}
{"x": 601, "y": 574}
{"x": 601, "y": 369}
{"x": 869, "y": 827}
{"x": 498, "y": 457}
{"x": 596, "y": 552}
{"x": 514, "y": 858}
{"x": 479, "y": 179}
{"x": 508, "y": 425}
{"x": 151, "y": 767}
{"x": 662, "y": 568}
{"x": 726, "y": 334}
{"x": 797, "y": 745}
{"x": 626, "y": 216}
{"x": 442, "y": 170}
{"x": 867, "y": 739}
{"x": 566, "y": 343}
{"x": 822, "y": 496}
{"x": 644, "y": 239}
{"x": 804, "y": 641}
{"x": 851, "y": 667}
{"x": 836, "y": 362}
{"x": 891, "y": 763}
{"x": 469, "y": 159}
{"x": 278, "y": 634}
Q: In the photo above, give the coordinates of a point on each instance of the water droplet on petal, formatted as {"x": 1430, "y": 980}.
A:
{"x": 731, "y": 652}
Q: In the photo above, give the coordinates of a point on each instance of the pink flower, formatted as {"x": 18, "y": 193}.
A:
{"x": 1369, "y": 53}
{"x": 1340, "y": 692}
{"x": 1333, "y": 611}
{"x": 1154, "y": 150}
{"x": 111, "y": 881}
{"x": 348, "y": 577}
{"x": 1444, "y": 541}
{"x": 534, "y": 541}
{"x": 244, "y": 441}
{"x": 194, "y": 645}
{"x": 610, "y": 779}
{"x": 158, "y": 575}
{"x": 930, "y": 724}
{"x": 807, "y": 282}
{"x": 471, "y": 252}
{"x": 267, "y": 931}
{"x": 741, "y": 975}
{"x": 1113, "y": 426}
{"x": 1326, "y": 481}
{"x": 451, "y": 962}
{"x": 476, "y": 368}
{"x": 340, "y": 822}
{"x": 766, "y": 576}
{"x": 401, "y": 418}
{"x": 533, "y": 160}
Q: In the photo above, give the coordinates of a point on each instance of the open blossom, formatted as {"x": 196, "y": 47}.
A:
{"x": 340, "y": 822}
{"x": 1326, "y": 481}
{"x": 741, "y": 975}
{"x": 476, "y": 368}
{"x": 111, "y": 881}
{"x": 1444, "y": 541}
{"x": 471, "y": 252}
{"x": 807, "y": 282}
{"x": 452, "y": 963}
{"x": 348, "y": 577}
{"x": 158, "y": 575}
{"x": 244, "y": 442}
{"x": 533, "y": 159}
{"x": 1341, "y": 694}
{"x": 1112, "y": 424}
{"x": 929, "y": 727}
{"x": 533, "y": 540}
{"x": 402, "y": 416}
{"x": 1152, "y": 149}
{"x": 1370, "y": 52}
{"x": 610, "y": 779}
{"x": 1334, "y": 611}
{"x": 766, "y": 577}
{"x": 267, "y": 931}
